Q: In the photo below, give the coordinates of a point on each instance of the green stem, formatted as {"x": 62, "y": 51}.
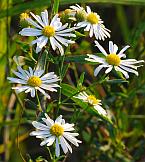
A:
{"x": 51, "y": 157}
{"x": 39, "y": 105}
{"x": 60, "y": 74}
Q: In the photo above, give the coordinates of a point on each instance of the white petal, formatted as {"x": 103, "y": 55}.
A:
{"x": 115, "y": 49}
{"x": 57, "y": 148}
{"x": 44, "y": 16}
{"x": 37, "y": 40}
{"x": 20, "y": 89}
{"x": 66, "y": 34}
{"x": 100, "y": 110}
{"x": 49, "y": 141}
{"x": 58, "y": 119}
{"x": 43, "y": 42}
{"x": 111, "y": 49}
{"x": 30, "y": 32}
{"x": 38, "y": 19}
{"x": 57, "y": 44}
{"x": 63, "y": 145}
{"x": 20, "y": 75}
{"x": 101, "y": 48}
{"x": 32, "y": 92}
{"x": 22, "y": 71}
{"x": 33, "y": 23}
{"x": 31, "y": 71}
{"x": 66, "y": 143}
{"x": 48, "y": 87}
{"x": 88, "y": 9}
{"x": 43, "y": 92}
{"x": 49, "y": 75}
{"x": 62, "y": 27}
{"x": 88, "y": 27}
{"x": 53, "y": 20}
{"x": 66, "y": 30}
{"x": 91, "y": 31}
{"x": 72, "y": 139}
{"x": 123, "y": 50}
{"x": 38, "y": 49}
{"x": 129, "y": 70}
{"x": 122, "y": 71}
{"x": 37, "y": 133}
{"x": 16, "y": 80}
{"x": 109, "y": 69}
{"x": 49, "y": 119}
{"x": 38, "y": 73}
{"x": 98, "y": 69}
{"x": 39, "y": 125}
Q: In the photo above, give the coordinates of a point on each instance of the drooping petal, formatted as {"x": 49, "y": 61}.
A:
{"x": 57, "y": 148}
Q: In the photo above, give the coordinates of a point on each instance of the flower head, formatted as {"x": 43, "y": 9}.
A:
{"x": 92, "y": 23}
{"x": 24, "y": 16}
{"x": 113, "y": 60}
{"x": 33, "y": 80}
{"x": 91, "y": 99}
{"x": 56, "y": 131}
{"x": 53, "y": 32}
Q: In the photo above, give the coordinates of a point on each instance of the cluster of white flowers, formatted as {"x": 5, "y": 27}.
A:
{"x": 57, "y": 34}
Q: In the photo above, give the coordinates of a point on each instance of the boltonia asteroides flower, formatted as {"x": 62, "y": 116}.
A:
{"x": 113, "y": 60}
{"x": 46, "y": 31}
{"x": 56, "y": 131}
{"x": 91, "y": 99}
{"x": 93, "y": 23}
{"x": 33, "y": 80}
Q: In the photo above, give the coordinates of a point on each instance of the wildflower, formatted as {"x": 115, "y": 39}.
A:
{"x": 24, "y": 16}
{"x": 23, "y": 19}
{"x": 91, "y": 99}
{"x": 113, "y": 60}
{"x": 55, "y": 131}
{"x": 92, "y": 23}
{"x": 53, "y": 32}
{"x": 33, "y": 80}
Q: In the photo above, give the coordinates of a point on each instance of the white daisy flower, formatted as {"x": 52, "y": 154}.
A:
{"x": 91, "y": 99}
{"x": 56, "y": 131}
{"x": 77, "y": 8}
{"x": 46, "y": 31}
{"x": 33, "y": 80}
{"x": 93, "y": 24}
{"x": 113, "y": 60}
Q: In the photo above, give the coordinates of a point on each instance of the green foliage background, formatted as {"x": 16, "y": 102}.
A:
{"x": 122, "y": 141}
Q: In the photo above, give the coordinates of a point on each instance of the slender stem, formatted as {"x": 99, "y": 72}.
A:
{"x": 60, "y": 91}
{"x": 39, "y": 105}
{"x": 51, "y": 157}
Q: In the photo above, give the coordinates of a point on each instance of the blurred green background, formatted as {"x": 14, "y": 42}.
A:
{"x": 102, "y": 143}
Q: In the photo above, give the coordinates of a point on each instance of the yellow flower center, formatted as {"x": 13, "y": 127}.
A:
{"x": 113, "y": 59}
{"x": 34, "y": 81}
{"x": 92, "y": 100}
{"x": 93, "y": 18}
{"x": 48, "y": 31}
{"x": 67, "y": 11}
{"x": 57, "y": 130}
{"x": 24, "y": 16}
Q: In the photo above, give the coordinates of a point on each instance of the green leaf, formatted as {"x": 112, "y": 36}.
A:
{"x": 64, "y": 70}
{"x": 116, "y": 81}
{"x": 55, "y": 6}
{"x": 80, "y": 81}
{"x": 135, "y": 36}
{"x": 78, "y": 59}
{"x": 42, "y": 60}
{"x": 30, "y": 5}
